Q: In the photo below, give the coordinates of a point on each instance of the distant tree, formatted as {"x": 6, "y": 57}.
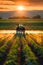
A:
{"x": 11, "y": 17}
{"x": 36, "y": 17}
{"x": 0, "y": 18}
{"x": 21, "y": 17}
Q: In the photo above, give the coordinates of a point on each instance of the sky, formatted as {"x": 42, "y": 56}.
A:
{"x": 26, "y": 13}
{"x": 12, "y": 5}
{"x": 31, "y": 7}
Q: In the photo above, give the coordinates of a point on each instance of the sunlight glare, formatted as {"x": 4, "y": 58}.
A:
{"x": 20, "y": 8}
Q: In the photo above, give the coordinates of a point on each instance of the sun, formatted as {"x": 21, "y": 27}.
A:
{"x": 21, "y": 8}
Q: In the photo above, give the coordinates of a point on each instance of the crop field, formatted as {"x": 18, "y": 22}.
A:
{"x": 19, "y": 49}
{"x": 15, "y": 50}
{"x": 30, "y": 24}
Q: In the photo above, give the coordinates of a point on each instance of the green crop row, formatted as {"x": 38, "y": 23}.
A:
{"x": 30, "y": 58}
{"x": 12, "y": 58}
{"x": 4, "y": 49}
{"x": 3, "y": 40}
{"x": 37, "y": 49}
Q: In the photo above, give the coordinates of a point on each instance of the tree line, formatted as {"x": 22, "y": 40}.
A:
{"x": 24, "y": 17}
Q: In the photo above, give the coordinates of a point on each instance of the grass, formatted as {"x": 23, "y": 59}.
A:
{"x": 30, "y": 24}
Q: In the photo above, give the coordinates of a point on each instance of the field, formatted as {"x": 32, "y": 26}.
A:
{"x": 30, "y": 24}
{"x": 15, "y": 50}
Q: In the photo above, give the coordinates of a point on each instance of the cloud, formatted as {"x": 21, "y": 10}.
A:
{"x": 2, "y": 2}
{"x": 23, "y": 2}
{"x": 11, "y": 5}
{"x": 28, "y": 2}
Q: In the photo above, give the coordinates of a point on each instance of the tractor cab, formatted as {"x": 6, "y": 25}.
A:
{"x": 20, "y": 30}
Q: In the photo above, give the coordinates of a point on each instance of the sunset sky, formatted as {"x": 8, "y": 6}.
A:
{"x": 12, "y": 5}
{"x": 9, "y": 8}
